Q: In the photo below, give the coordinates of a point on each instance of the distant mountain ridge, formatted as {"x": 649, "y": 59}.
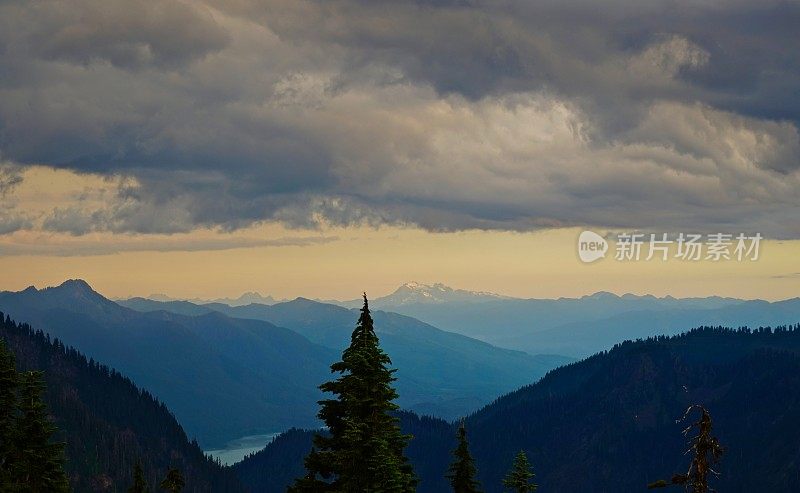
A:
{"x": 244, "y": 299}
{"x": 580, "y": 338}
{"x": 578, "y": 327}
{"x": 416, "y": 292}
{"x": 412, "y": 293}
{"x": 575, "y": 327}
{"x": 440, "y": 373}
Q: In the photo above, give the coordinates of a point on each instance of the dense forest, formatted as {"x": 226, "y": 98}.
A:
{"x": 107, "y": 423}
{"x": 611, "y": 422}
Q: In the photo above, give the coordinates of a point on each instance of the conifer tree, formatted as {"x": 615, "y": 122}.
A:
{"x": 37, "y": 463}
{"x": 363, "y": 449}
{"x": 462, "y": 470}
{"x": 518, "y": 479}
{"x": 8, "y": 403}
{"x": 139, "y": 484}
{"x": 173, "y": 482}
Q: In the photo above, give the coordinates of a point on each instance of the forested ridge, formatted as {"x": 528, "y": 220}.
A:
{"x": 107, "y": 423}
{"x": 611, "y": 422}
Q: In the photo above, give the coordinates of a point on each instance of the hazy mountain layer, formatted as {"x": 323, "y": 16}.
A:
{"x": 439, "y": 373}
{"x": 578, "y": 327}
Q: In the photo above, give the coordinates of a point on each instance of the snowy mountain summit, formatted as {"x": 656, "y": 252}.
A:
{"x": 415, "y": 292}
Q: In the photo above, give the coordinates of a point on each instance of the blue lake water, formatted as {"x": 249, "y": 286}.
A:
{"x": 236, "y": 450}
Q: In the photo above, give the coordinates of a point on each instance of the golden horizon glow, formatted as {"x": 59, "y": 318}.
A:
{"x": 340, "y": 263}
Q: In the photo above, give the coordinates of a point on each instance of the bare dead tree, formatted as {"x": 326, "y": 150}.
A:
{"x": 706, "y": 453}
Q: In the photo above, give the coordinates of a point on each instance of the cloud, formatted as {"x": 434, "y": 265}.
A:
{"x": 11, "y": 222}
{"x": 667, "y": 58}
{"x": 58, "y": 247}
{"x": 445, "y": 115}
{"x": 10, "y": 177}
{"x": 11, "y": 219}
{"x": 793, "y": 275}
{"x": 123, "y": 33}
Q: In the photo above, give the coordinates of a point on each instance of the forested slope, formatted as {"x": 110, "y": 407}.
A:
{"x": 108, "y": 423}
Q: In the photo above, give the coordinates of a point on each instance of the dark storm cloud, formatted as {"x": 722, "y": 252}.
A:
{"x": 442, "y": 114}
{"x": 479, "y": 48}
{"x": 124, "y": 33}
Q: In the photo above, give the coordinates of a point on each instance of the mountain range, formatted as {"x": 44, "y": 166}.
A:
{"x": 575, "y": 327}
{"x": 413, "y": 293}
{"x": 610, "y": 422}
{"x": 228, "y": 375}
{"x": 439, "y": 373}
{"x": 244, "y": 299}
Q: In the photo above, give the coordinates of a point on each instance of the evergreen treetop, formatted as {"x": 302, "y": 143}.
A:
{"x": 518, "y": 479}
{"x": 363, "y": 450}
{"x": 463, "y": 470}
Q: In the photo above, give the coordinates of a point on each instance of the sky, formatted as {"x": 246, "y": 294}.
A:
{"x": 323, "y": 148}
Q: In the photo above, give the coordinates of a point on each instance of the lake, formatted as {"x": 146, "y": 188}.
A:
{"x": 236, "y": 450}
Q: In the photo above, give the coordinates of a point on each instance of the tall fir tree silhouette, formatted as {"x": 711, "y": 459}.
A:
{"x": 519, "y": 478}
{"x": 463, "y": 470}
{"x": 363, "y": 449}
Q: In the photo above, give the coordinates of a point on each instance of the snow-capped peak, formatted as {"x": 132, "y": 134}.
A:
{"x": 417, "y": 292}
